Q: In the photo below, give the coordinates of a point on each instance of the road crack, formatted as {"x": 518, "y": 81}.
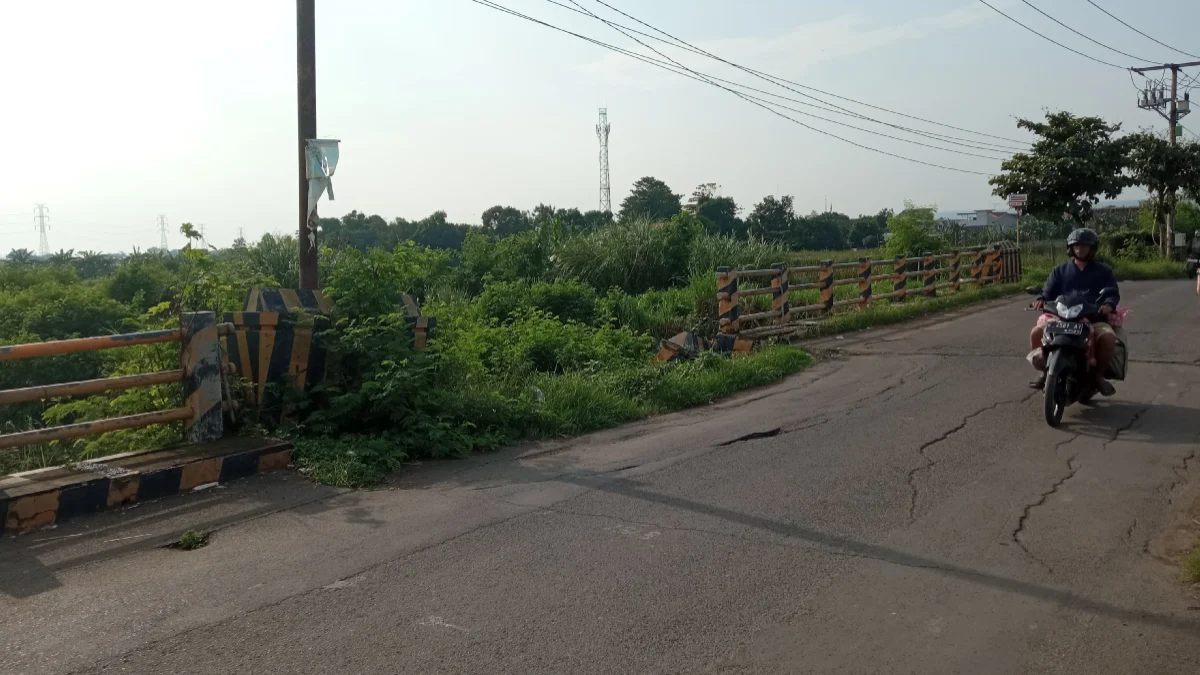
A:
{"x": 1072, "y": 469}
{"x": 930, "y": 462}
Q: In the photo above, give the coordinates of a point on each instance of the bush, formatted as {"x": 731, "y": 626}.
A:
{"x": 372, "y": 284}
{"x": 568, "y": 300}
{"x": 708, "y": 252}
{"x": 912, "y": 232}
{"x": 634, "y": 256}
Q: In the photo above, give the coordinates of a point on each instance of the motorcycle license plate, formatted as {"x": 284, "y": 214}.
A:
{"x": 1066, "y": 328}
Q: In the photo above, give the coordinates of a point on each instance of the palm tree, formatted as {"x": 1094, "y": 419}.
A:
{"x": 62, "y": 257}
{"x": 93, "y": 264}
{"x": 21, "y": 256}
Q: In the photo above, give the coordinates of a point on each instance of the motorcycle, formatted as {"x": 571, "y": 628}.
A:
{"x": 1193, "y": 264}
{"x": 1067, "y": 353}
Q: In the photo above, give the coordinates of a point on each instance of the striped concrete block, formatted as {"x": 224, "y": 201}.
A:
{"x": 37, "y": 499}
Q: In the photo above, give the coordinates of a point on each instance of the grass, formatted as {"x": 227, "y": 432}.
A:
{"x": 191, "y": 540}
{"x": 570, "y": 404}
{"x": 883, "y": 314}
{"x": 1191, "y": 566}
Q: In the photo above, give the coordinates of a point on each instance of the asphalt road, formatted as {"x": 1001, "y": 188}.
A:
{"x": 899, "y": 508}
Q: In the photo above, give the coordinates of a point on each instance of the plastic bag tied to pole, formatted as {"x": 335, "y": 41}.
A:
{"x": 321, "y": 158}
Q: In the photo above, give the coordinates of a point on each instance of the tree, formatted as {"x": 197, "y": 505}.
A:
{"x": 21, "y": 256}
{"x": 719, "y": 215}
{"x": 1163, "y": 169}
{"x": 93, "y": 265}
{"x": 867, "y": 231}
{"x": 771, "y": 217}
{"x": 62, "y": 257}
{"x": 596, "y": 219}
{"x": 820, "y": 232}
{"x": 505, "y": 221}
{"x": 1074, "y": 163}
{"x": 913, "y": 232}
{"x": 652, "y": 199}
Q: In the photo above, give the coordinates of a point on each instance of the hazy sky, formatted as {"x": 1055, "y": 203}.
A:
{"x": 114, "y": 112}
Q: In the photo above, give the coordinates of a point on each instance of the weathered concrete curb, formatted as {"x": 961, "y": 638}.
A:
{"x": 40, "y": 498}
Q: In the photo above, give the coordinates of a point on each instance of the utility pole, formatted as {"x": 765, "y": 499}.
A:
{"x": 602, "y": 131}
{"x": 43, "y": 212}
{"x": 162, "y": 233}
{"x": 1156, "y": 101}
{"x": 306, "y": 118}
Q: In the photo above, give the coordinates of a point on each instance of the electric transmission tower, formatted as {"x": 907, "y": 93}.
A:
{"x": 162, "y": 233}
{"x": 602, "y": 131}
{"x": 43, "y": 213}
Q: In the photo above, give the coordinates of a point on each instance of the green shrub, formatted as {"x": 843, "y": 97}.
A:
{"x": 634, "y": 256}
{"x": 708, "y": 252}
{"x": 568, "y": 300}
{"x": 913, "y": 232}
{"x": 372, "y": 284}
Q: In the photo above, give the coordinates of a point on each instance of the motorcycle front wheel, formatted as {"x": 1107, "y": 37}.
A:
{"x": 1056, "y": 399}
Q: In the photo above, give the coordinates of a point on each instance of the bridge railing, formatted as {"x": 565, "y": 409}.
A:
{"x": 200, "y": 371}
{"x": 756, "y": 303}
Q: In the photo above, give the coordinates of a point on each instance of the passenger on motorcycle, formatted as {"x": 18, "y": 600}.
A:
{"x": 1082, "y": 274}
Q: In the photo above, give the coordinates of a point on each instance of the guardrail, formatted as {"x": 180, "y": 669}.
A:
{"x": 200, "y": 371}
{"x": 995, "y": 264}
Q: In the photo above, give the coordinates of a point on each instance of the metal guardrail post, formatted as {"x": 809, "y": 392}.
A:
{"x": 825, "y": 279}
{"x": 200, "y": 358}
{"x": 727, "y": 300}
{"x": 899, "y": 280}
{"x": 977, "y": 268}
{"x": 779, "y": 293}
{"x": 955, "y": 258}
{"x": 929, "y": 265}
{"x": 864, "y": 283}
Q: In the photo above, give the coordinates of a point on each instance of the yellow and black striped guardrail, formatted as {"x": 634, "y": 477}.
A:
{"x": 1000, "y": 263}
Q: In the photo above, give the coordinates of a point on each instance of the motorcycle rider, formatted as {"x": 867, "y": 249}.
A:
{"x": 1082, "y": 274}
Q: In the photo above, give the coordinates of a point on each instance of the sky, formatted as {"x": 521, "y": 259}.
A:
{"x": 114, "y": 113}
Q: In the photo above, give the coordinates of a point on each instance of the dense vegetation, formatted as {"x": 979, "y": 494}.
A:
{"x": 547, "y": 320}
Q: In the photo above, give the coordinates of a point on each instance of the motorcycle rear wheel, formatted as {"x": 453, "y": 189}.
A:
{"x": 1055, "y": 400}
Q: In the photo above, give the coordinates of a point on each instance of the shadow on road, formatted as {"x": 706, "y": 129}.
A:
{"x": 859, "y": 549}
{"x": 1159, "y": 423}
{"x": 24, "y": 571}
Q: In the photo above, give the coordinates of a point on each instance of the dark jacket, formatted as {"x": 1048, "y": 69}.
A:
{"x": 1067, "y": 278}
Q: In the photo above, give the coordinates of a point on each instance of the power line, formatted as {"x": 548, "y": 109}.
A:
{"x": 836, "y": 109}
{"x": 1100, "y": 61}
{"x": 1174, "y": 49}
{"x": 755, "y": 99}
{"x": 776, "y": 80}
{"x": 1112, "y": 49}
{"x": 500, "y": 8}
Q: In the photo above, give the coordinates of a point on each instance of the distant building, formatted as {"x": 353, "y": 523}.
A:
{"x": 985, "y": 219}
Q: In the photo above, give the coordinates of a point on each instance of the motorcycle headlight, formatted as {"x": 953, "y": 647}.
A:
{"x": 1072, "y": 312}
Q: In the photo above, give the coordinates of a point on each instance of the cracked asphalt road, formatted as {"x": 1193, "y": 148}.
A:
{"x": 899, "y": 508}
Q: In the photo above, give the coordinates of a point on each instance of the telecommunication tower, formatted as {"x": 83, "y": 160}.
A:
{"x": 602, "y": 131}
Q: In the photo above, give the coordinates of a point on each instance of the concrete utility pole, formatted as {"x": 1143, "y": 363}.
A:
{"x": 306, "y": 118}
{"x": 1154, "y": 100}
